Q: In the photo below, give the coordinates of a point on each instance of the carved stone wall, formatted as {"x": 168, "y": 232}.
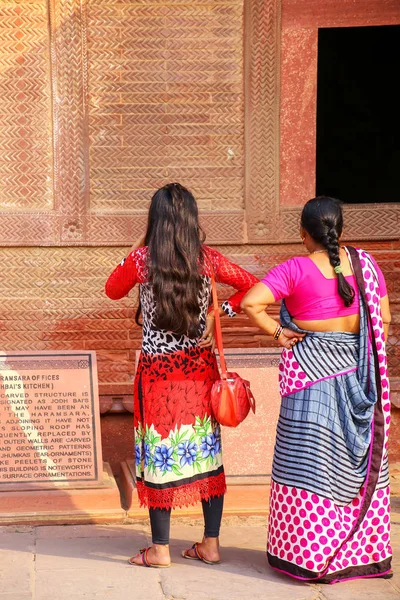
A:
{"x": 165, "y": 102}
{"x": 121, "y": 97}
{"x": 53, "y": 298}
{"x": 106, "y": 100}
{"x": 101, "y": 103}
{"x": 25, "y": 116}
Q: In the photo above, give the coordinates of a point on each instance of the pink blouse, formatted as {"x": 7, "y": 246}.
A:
{"x": 309, "y": 295}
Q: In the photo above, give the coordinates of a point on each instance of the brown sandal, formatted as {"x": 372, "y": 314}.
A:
{"x": 145, "y": 561}
{"x": 198, "y": 555}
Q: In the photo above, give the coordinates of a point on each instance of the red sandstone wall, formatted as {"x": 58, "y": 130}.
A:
{"x": 54, "y": 299}
{"x": 102, "y": 102}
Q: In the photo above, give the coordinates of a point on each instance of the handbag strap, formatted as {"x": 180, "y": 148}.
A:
{"x": 218, "y": 329}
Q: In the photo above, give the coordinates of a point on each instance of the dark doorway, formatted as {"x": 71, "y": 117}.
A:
{"x": 358, "y": 114}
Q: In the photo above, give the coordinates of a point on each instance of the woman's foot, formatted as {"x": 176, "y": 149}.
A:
{"x": 207, "y": 551}
{"x": 156, "y": 555}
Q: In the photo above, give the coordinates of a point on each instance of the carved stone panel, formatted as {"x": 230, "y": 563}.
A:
{"x": 123, "y": 97}
{"x": 103, "y": 100}
{"x": 43, "y": 146}
{"x": 26, "y": 181}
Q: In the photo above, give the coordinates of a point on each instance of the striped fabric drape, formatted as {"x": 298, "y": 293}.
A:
{"x": 329, "y": 507}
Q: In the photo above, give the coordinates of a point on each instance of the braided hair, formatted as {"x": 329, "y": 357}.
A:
{"x": 322, "y": 218}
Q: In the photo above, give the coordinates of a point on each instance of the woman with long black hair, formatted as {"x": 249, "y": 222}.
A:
{"x": 329, "y": 508}
{"x": 178, "y": 444}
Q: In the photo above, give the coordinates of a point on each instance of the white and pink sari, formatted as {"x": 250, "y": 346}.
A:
{"x": 330, "y": 507}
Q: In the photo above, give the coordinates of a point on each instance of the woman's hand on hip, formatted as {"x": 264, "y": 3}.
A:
{"x": 289, "y": 338}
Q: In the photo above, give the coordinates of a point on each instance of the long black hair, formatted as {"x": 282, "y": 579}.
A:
{"x": 174, "y": 239}
{"x": 322, "y": 218}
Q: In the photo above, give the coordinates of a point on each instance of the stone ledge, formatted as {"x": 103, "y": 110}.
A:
{"x": 60, "y": 505}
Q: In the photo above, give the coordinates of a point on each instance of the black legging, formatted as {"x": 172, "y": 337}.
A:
{"x": 160, "y": 519}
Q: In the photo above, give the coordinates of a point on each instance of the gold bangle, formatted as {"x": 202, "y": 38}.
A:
{"x": 278, "y": 332}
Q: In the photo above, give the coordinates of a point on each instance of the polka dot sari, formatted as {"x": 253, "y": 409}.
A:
{"x": 329, "y": 507}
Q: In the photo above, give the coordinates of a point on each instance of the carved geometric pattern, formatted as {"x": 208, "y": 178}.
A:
{"x": 262, "y": 40}
{"x": 70, "y": 116}
{"x": 58, "y": 302}
{"x": 221, "y": 227}
{"x": 361, "y": 222}
{"x": 165, "y": 104}
{"x": 25, "y": 104}
{"x": 43, "y": 154}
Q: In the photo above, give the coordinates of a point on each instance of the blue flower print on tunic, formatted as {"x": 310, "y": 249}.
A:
{"x": 162, "y": 458}
{"x": 137, "y": 454}
{"x": 147, "y": 455}
{"x": 188, "y": 452}
{"x": 210, "y": 446}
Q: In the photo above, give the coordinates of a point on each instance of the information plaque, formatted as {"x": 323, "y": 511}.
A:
{"x": 49, "y": 420}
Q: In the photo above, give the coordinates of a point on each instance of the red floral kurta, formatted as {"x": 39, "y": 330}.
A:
{"x": 178, "y": 444}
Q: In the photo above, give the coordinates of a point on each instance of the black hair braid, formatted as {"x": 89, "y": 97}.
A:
{"x": 322, "y": 218}
{"x": 332, "y": 246}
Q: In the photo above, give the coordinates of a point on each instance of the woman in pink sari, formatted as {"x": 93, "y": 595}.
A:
{"x": 329, "y": 509}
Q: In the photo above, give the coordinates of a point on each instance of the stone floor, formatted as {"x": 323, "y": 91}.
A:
{"x": 88, "y": 562}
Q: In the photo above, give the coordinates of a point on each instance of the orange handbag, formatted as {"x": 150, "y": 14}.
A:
{"x": 231, "y": 397}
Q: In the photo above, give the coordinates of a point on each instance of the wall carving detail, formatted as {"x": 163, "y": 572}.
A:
{"x": 127, "y": 96}
{"x": 103, "y": 101}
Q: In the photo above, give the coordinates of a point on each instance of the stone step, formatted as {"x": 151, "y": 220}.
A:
{"x": 97, "y": 503}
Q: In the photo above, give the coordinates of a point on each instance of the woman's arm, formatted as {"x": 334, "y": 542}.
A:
{"x": 122, "y": 279}
{"x": 229, "y": 273}
{"x": 255, "y": 303}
